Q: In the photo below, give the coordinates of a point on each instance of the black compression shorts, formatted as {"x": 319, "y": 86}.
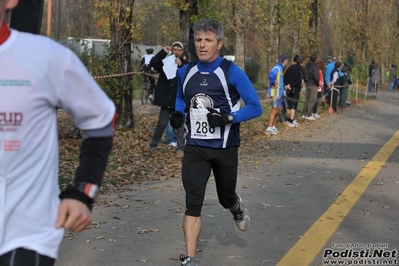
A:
{"x": 24, "y": 257}
{"x": 292, "y": 104}
{"x": 197, "y": 165}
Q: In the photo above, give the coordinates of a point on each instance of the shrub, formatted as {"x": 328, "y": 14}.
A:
{"x": 252, "y": 69}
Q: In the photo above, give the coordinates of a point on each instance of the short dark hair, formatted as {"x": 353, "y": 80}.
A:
{"x": 313, "y": 58}
{"x": 338, "y": 64}
{"x": 300, "y": 59}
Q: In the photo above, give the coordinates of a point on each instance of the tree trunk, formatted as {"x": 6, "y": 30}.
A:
{"x": 313, "y": 27}
{"x": 121, "y": 43}
{"x": 185, "y": 26}
{"x": 238, "y": 10}
{"x": 240, "y": 49}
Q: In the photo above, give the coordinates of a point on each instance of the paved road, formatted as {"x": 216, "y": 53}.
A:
{"x": 287, "y": 187}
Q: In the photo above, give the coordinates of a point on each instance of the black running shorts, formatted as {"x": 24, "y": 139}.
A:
{"x": 197, "y": 165}
{"x": 24, "y": 257}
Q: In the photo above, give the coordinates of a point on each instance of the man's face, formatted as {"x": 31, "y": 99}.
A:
{"x": 177, "y": 51}
{"x": 207, "y": 46}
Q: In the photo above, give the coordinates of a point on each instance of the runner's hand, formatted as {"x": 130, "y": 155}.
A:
{"x": 217, "y": 119}
{"x": 176, "y": 119}
{"x": 73, "y": 215}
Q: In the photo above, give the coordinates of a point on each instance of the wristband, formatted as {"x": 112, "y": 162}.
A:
{"x": 90, "y": 190}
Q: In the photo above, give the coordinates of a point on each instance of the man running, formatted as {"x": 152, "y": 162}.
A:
{"x": 36, "y": 76}
{"x": 209, "y": 94}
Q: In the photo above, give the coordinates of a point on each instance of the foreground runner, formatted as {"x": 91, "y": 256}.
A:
{"x": 211, "y": 90}
{"x": 36, "y": 76}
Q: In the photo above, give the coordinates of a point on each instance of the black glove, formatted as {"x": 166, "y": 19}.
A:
{"x": 217, "y": 119}
{"x": 176, "y": 119}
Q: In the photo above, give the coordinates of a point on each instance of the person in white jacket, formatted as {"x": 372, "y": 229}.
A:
{"x": 37, "y": 75}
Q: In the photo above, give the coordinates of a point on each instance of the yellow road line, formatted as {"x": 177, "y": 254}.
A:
{"x": 307, "y": 248}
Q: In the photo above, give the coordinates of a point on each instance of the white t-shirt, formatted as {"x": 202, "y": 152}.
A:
{"x": 36, "y": 75}
{"x": 146, "y": 59}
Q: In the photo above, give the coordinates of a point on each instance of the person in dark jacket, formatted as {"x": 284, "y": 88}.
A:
{"x": 337, "y": 80}
{"x": 392, "y": 77}
{"x": 293, "y": 78}
{"x": 165, "y": 94}
{"x": 311, "y": 78}
{"x": 343, "y": 92}
{"x": 370, "y": 78}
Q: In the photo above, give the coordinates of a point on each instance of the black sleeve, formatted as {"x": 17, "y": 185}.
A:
{"x": 156, "y": 61}
{"x": 286, "y": 76}
{"x": 93, "y": 161}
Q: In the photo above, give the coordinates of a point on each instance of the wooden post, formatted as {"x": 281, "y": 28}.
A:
{"x": 348, "y": 100}
{"x": 49, "y": 18}
{"x": 330, "y": 109}
{"x": 357, "y": 89}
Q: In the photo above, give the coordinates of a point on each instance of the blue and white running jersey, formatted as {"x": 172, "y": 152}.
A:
{"x": 220, "y": 85}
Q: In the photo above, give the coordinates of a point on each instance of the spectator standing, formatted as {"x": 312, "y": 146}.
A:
{"x": 311, "y": 78}
{"x": 336, "y": 82}
{"x": 165, "y": 94}
{"x": 327, "y": 73}
{"x": 171, "y": 138}
{"x": 343, "y": 92}
{"x": 370, "y": 80}
{"x": 329, "y": 68}
{"x": 376, "y": 78}
{"x": 293, "y": 79}
{"x": 148, "y": 70}
{"x": 210, "y": 91}
{"x": 397, "y": 79}
{"x": 392, "y": 77}
{"x": 276, "y": 92}
{"x": 321, "y": 68}
{"x": 33, "y": 212}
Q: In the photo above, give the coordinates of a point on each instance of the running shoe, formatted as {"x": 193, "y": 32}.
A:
{"x": 241, "y": 216}
{"x": 173, "y": 144}
{"x": 290, "y": 124}
{"x": 187, "y": 261}
{"x": 316, "y": 115}
{"x": 151, "y": 97}
{"x": 270, "y": 130}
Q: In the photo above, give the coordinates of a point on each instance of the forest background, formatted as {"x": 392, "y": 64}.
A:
{"x": 358, "y": 31}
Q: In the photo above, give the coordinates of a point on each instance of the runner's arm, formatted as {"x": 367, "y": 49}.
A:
{"x": 80, "y": 96}
{"x": 244, "y": 87}
{"x": 180, "y": 104}
{"x": 93, "y": 158}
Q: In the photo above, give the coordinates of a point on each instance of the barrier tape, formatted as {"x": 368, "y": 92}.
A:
{"x": 125, "y": 74}
{"x": 293, "y": 99}
{"x": 299, "y": 101}
{"x": 266, "y": 100}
